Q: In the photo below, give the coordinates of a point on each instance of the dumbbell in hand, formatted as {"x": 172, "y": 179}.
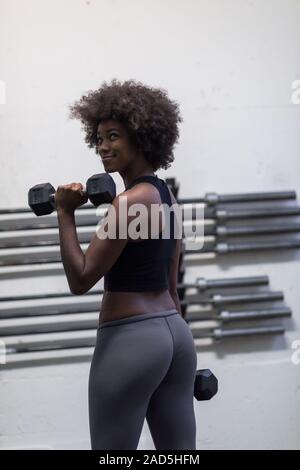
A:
{"x": 100, "y": 189}
{"x": 206, "y": 385}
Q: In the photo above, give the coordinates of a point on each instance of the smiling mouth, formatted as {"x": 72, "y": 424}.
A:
{"x": 108, "y": 157}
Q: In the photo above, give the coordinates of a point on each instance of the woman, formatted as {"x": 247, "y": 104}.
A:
{"x": 144, "y": 361}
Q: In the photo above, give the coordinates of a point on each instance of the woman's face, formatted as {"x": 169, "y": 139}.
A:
{"x": 114, "y": 146}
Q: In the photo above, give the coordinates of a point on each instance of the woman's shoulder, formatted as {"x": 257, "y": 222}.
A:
{"x": 143, "y": 193}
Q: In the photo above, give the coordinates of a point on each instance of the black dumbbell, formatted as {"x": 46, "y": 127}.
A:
{"x": 100, "y": 189}
{"x": 206, "y": 385}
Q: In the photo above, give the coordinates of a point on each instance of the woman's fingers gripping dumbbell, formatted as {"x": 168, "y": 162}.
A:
{"x": 70, "y": 196}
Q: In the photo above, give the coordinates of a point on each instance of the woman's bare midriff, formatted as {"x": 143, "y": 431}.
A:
{"x": 118, "y": 305}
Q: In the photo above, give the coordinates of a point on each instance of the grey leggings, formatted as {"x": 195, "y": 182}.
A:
{"x": 143, "y": 366}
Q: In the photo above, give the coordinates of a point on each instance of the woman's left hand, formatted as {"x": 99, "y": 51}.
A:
{"x": 70, "y": 196}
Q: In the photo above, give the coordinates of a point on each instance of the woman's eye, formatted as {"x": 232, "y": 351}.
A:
{"x": 100, "y": 140}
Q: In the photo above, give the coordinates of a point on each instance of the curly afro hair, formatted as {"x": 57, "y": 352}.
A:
{"x": 150, "y": 117}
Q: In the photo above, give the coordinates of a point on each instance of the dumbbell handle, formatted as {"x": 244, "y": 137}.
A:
{"x": 100, "y": 189}
{"x": 34, "y": 198}
{"x": 52, "y": 196}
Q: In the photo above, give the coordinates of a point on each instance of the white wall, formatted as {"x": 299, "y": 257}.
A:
{"x": 231, "y": 66}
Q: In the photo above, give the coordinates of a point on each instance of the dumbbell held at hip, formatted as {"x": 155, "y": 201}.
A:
{"x": 206, "y": 385}
{"x": 100, "y": 189}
